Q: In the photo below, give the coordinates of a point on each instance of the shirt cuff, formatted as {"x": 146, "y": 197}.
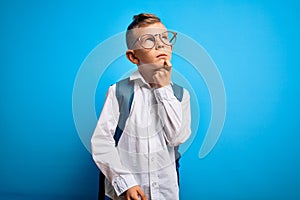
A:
{"x": 164, "y": 93}
{"x": 123, "y": 183}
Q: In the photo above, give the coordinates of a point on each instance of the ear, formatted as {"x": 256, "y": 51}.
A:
{"x": 131, "y": 56}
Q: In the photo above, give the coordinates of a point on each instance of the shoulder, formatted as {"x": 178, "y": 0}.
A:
{"x": 111, "y": 92}
{"x": 186, "y": 94}
{"x": 124, "y": 87}
{"x": 120, "y": 84}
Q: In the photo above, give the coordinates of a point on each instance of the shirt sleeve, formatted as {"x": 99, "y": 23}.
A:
{"x": 104, "y": 152}
{"x": 175, "y": 115}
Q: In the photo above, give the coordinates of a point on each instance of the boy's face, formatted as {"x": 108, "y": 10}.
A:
{"x": 159, "y": 52}
{"x": 150, "y": 60}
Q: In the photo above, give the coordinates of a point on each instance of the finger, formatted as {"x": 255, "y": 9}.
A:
{"x": 142, "y": 194}
{"x": 158, "y": 76}
{"x": 134, "y": 197}
{"x": 156, "y": 73}
{"x": 155, "y": 76}
{"x": 167, "y": 65}
{"x": 159, "y": 73}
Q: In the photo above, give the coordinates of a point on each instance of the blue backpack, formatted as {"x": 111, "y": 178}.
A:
{"x": 125, "y": 94}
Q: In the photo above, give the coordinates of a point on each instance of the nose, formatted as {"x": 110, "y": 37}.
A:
{"x": 159, "y": 44}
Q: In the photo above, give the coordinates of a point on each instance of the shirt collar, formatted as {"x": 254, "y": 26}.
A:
{"x": 137, "y": 76}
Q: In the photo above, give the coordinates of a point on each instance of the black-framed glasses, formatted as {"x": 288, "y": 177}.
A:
{"x": 148, "y": 41}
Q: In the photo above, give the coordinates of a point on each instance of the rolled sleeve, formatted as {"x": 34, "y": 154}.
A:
{"x": 123, "y": 183}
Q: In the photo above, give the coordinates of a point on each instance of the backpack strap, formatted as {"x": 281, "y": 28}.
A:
{"x": 124, "y": 94}
{"x": 178, "y": 91}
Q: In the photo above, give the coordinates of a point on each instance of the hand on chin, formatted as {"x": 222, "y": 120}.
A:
{"x": 156, "y": 74}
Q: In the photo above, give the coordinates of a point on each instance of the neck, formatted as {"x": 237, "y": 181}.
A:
{"x": 148, "y": 78}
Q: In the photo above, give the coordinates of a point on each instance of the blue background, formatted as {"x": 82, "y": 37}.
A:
{"x": 254, "y": 44}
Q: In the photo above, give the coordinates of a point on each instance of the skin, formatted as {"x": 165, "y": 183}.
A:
{"x": 135, "y": 193}
{"x": 155, "y": 67}
{"x": 154, "y": 64}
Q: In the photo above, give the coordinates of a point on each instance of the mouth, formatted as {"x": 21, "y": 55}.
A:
{"x": 162, "y": 55}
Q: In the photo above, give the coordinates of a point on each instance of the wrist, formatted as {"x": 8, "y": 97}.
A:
{"x": 163, "y": 85}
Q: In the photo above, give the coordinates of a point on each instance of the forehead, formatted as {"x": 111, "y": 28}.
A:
{"x": 150, "y": 29}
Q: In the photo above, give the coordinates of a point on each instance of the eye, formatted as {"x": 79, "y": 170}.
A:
{"x": 165, "y": 37}
{"x": 148, "y": 41}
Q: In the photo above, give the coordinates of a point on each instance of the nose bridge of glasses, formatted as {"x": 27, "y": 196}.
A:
{"x": 159, "y": 42}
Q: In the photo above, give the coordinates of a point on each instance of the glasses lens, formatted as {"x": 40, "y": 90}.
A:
{"x": 147, "y": 41}
{"x": 168, "y": 37}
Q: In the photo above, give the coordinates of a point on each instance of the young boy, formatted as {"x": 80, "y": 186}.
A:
{"x": 142, "y": 164}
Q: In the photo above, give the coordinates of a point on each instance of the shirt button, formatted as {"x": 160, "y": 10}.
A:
{"x": 153, "y": 184}
{"x": 152, "y": 159}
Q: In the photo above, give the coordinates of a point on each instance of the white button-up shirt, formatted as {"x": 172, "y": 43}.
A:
{"x": 145, "y": 155}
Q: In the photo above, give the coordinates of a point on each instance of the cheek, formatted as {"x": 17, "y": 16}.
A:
{"x": 146, "y": 57}
{"x": 169, "y": 50}
{"x": 170, "y": 54}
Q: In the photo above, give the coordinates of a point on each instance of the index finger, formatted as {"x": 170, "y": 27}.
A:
{"x": 168, "y": 65}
